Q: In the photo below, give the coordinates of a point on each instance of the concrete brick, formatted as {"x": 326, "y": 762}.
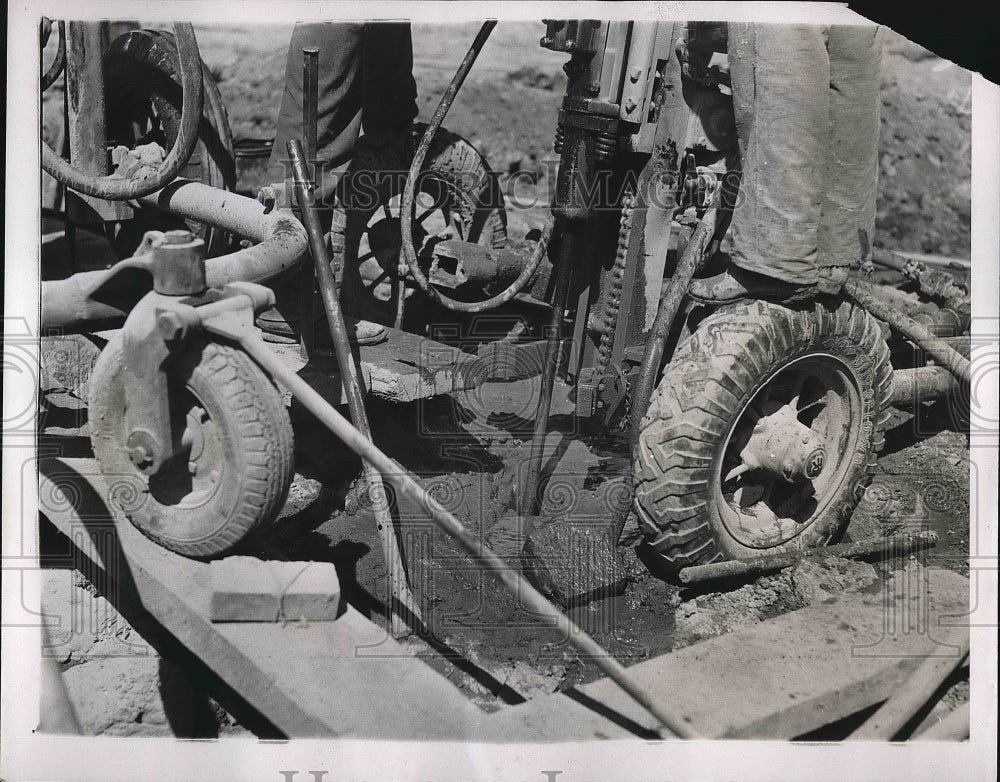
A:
{"x": 247, "y": 589}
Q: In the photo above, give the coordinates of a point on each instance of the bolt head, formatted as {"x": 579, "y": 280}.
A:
{"x": 268, "y": 197}
{"x": 178, "y": 236}
{"x": 140, "y": 457}
{"x": 171, "y": 326}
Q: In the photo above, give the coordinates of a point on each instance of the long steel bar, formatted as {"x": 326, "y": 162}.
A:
{"x": 307, "y": 276}
{"x": 399, "y": 589}
{"x": 529, "y": 500}
{"x": 407, "y": 487}
{"x": 896, "y": 545}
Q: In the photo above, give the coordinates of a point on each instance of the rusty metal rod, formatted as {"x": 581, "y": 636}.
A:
{"x": 896, "y": 546}
{"x": 529, "y": 499}
{"x": 472, "y": 545}
{"x": 911, "y": 696}
{"x": 920, "y": 335}
{"x": 398, "y": 586}
{"x": 307, "y": 274}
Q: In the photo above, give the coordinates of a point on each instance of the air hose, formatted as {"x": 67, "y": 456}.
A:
{"x": 50, "y": 76}
{"x": 409, "y": 252}
{"x": 112, "y": 188}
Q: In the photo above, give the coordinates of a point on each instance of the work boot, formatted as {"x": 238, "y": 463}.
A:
{"x": 276, "y": 328}
{"x": 737, "y": 284}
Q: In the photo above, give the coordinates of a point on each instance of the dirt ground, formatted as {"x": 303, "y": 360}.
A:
{"x": 470, "y": 449}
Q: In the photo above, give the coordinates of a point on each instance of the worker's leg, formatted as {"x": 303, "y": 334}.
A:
{"x": 851, "y": 180}
{"x": 780, "y": 79}
{"x": 339, "y": 111}
{"x": 389, "y": 91}
{"x": 339, "y": 106}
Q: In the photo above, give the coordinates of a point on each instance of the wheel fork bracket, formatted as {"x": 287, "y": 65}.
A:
{"x": 156, "y": 331}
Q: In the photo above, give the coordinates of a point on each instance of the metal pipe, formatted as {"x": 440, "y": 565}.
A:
{"x": 921, "y": 385}
{"x": 307, "y": 276}
{"x": 894, "y": 546}
{"x": 920, "y": 335}
{"x": 399, "y": 588}
{"x": 911, "y": 696}
{"x": 530, "y": 597}
{"x": 282, "y": 243}
{"x": 113, "y": 188}
{"x": 670, "y": 302}
{"x": 666, "y": 313}
{"x": 529, "y": 500}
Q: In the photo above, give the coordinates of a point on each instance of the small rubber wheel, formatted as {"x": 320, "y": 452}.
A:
{"x": 819, "y": 375}
{"x": 233, "y": 476}
{"x": 456, "y": 197}
{"x": 143, "y": 105}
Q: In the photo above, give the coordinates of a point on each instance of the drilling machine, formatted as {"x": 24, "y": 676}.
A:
{"x": 753, "y": 428}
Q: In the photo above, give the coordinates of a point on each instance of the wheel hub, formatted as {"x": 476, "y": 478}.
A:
{"x": 787, "y": 451}
{"x": 784, "y": 447}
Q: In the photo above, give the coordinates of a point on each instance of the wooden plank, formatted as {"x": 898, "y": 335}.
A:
{"x": 342, "y": 678}
{"x": 778, "y": 679}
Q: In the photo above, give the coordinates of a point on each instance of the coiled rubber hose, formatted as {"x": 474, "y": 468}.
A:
{"x": 113, "y": 188}
{"x": 409, "y": 194}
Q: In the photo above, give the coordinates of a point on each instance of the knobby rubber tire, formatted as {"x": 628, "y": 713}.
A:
{"x": 712, "y": 375}
{"x": 255, "y": 437}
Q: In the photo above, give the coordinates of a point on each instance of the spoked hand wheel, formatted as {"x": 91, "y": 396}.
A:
{"x": 762, "y": 433}
{"x": 457, "y": 198}
{"x": 232, "y": 474}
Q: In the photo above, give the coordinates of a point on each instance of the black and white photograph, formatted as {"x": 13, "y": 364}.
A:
{"x": 531, "y": 391}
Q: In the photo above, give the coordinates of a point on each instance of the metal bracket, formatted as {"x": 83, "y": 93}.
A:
{"x": 159, "y": 328}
